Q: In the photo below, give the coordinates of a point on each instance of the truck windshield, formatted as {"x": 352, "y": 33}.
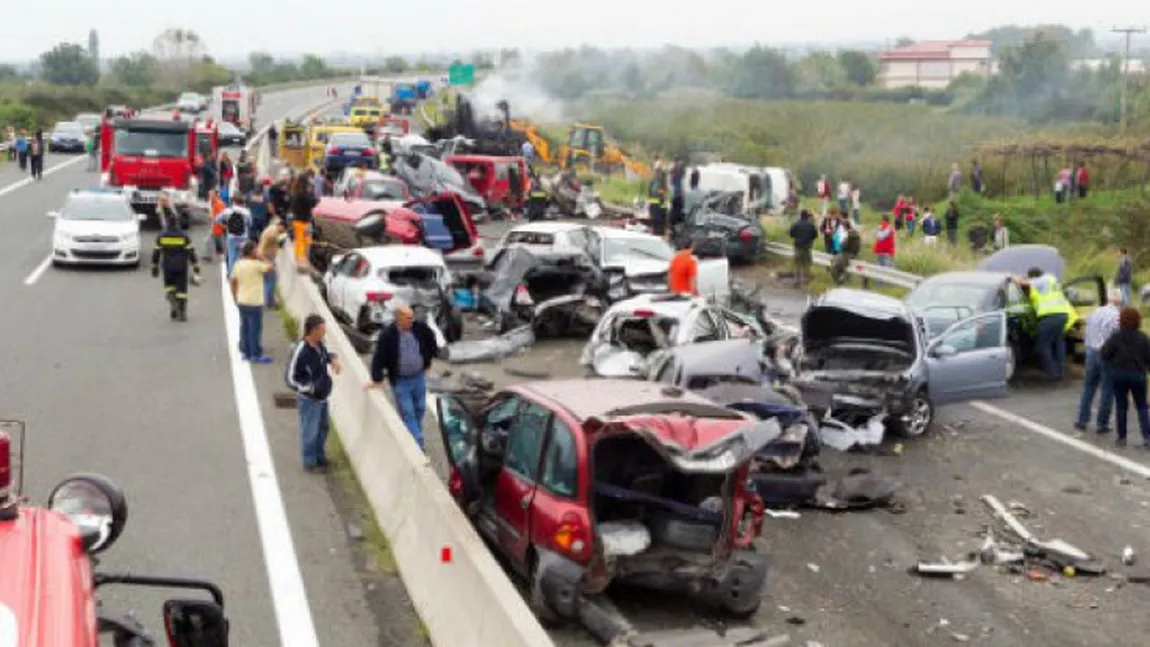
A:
{"x": 230, "y": 109}
{"x": 151, "y": 143}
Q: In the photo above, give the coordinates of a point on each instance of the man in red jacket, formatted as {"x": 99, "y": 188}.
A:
{"x": 884, "y": 243}
{"x": 1082, "y": 180}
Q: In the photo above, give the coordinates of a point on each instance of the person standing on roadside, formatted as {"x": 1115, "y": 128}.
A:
{"x": 823, "y": 193}
{"x": 226, "y": 171}
{"x": 269, "y": 246}
{"x": 36, "y": 155}
{"x": 884, "y": 243}
{"x": 1082, "y": 179}
{"x": 856, "y": 205}
{"x": 273, "y": 138}
{"x": 827, "y": 227}
{"x": 1100, "y": 325}
{"x": 847, "y": 244}
{"x": 803, "y": 234}
{"x": 951, "y": 219}
{"x": 258, "y": 206}
{"x": 683, "y": 271}
{"x": 1124, "y": 277}
{"x": 22, "y": 150}
{"x": 11, "y": 137}
{"x": 930, "y": 227}
{"x": 954, "y": 184}
{"x": 403, "y": 354}
{"x": 976, "y": 184}
{"x": 1127, "y": 357}
{"x": 237, "y": 223}
{"x": 303, "y": 201}
{"x": 656, "y": 204}
{"x": 247, "y": 282}
{"x": 844, "y": 197}
{"x": 1001, "y": 234}
{"x": 245, "y": 174}
{"x": 307, "y": 375}
{"x": 678, "y": 176}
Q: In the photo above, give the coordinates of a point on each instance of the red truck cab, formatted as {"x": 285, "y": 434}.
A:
{"x": 502, "y": 181}
{"x": 148, "y": 154}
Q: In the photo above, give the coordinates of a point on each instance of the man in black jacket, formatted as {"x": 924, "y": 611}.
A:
{"x": 404, "y": 352}
{"x": 804, "y": 234}
{"x": 307, "y": 375}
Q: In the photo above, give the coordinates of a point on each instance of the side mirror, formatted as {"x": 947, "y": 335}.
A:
{"x": 53, "y": 214}
{"x": 943, "y": 350}
{"x": 195, "y": 623}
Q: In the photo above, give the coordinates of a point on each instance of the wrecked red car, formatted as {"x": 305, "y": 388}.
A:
{"x": 502, "y": 181}
{"x": 48, "y": 592}
{"x": 581, "y": 483}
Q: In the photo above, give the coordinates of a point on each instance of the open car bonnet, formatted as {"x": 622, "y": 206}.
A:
{"x": 694, "y": 445}
{"x": 822, "y": 324}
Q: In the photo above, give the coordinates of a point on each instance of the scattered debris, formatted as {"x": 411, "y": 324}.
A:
{"x": 841, "y": 436}
{"x": 960, "y": 637}
{"x": 1128, "y": 556}
{"x": 814, "y": 568}
{"x": 354, "y": 532}
{"x": 945, "y": 568}
{"x": 1074, "y": 489}
{"x": 493, "y": 348}
{"x": 796, "y": 621}
{"x": 781, "y": 514}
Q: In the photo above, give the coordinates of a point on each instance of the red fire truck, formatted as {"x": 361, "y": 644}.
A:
{"x": 148, "y": 153}
{"x": 236, "y": 104}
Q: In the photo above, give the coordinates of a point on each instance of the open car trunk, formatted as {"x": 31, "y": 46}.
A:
{"x": 661, "y": 499}
{"x": 446, "y": 222}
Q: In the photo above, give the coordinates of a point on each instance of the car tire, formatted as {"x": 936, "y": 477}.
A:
{"x": 922, "y": 417}
{"x": 684, "y": 534}
{"x": 742, "y": 602}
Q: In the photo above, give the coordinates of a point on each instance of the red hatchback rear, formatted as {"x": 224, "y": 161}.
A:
{"x": 502, "y": 181}
{"x": 583, "y": 482}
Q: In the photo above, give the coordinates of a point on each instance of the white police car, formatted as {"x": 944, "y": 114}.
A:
{"x": 96, "y": 226}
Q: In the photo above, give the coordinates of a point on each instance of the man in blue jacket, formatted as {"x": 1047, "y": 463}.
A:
{"x": 307, "y": 375}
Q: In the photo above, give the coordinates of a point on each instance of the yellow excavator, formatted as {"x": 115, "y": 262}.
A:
{"x": 587, "y": 148}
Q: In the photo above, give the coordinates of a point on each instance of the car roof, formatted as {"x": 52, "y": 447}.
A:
{"x": 601, "y": 398}
{"x": 988, "y": 279}
{"x": 392, "y": 255}
{"x": 664, "y": 305}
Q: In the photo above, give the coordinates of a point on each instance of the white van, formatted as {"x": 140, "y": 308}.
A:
{"x": 765, "y": 189}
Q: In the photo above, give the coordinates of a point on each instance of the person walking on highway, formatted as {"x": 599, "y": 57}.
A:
{"x": 93, "y": 146}
{"x": 22, "y": 150}
{"x": 245, "y": 174}
{"x": 1124, "y": 276}
{"x": 307, "y": 374}
{"x": 237, "y": 222}
{"x": 273, "y": 137}
{"x": 884, "y": 242}
{"x": 173, "y": 253}
{"x": 1100, "y": 326}
{"x": 269, "y": 246}
{"x": 1127, "y": 357}
{"x": 247, "y": 282}
{"x": 803, "y": 234}
{"x": 678, "y": 175}
{"x": 225, "y": 174}
{"x": 1055, "y": 317}
{"x": 36, "y": 155}
{"x": 683, "y": 271}
{"x": 302, "y": 203}
{"x": 403, "y": 354}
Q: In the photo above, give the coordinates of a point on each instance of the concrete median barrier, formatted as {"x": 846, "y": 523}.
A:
{"x": 461, "y": 593}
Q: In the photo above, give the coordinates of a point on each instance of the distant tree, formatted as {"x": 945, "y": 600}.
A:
{"x": 395, "y": 65}
{"x": 68, "y": 64}
{"x": 313, "y": 67}
{"x": 1076, "y": 44}
{"x": 177, "y": 52}
{"x": 820, "y": 72}
{"x": 206, "y": 74}
{"x": 860, "y": 67}
{"x": 509, "y": 55}
{"x": 8, "y": 73}
{"x": 633, "y": 81}
{"x": 762, "y": 73}
{"x": 137, "y": 70}
{"x": 261, "y": 62}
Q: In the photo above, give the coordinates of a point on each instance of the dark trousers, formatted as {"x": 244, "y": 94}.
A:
{"x": 952, "y": 236}
{"x": 273, "y": 150}
{"x": 676, "y": 211}
{"x": 251, "y": 331}
{"x": 1050, "y": 344}
{"x": 1082, "y": 190}
{"x": 37, "y": 162}
{"x": 658, "y": 218}
{"x": 22, "y": 159}
{"x": 176, "y": 290}
{"x": 1132, "y": 384}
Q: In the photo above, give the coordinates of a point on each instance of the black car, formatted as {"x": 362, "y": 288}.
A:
{"x": 718, "y": 226}
{"x": 231, "y": 135}
{"x": 68, "y": 137}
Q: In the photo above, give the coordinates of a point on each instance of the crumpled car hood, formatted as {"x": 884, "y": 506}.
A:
{"x": 824, "y": 323}
{"x": 695, "y": 445}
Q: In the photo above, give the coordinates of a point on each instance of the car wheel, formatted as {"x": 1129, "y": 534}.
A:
{"x": 745, "y": 593}
{"x": 918, "y": 418}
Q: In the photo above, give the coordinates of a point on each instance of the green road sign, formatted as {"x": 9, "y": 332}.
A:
{"x": 461, "y": 74}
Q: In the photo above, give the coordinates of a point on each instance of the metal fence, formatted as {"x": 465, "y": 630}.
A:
{"x": 868, "y": 272}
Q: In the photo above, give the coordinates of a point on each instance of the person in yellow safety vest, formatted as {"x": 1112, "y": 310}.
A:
{"x": 1055, "y": 316}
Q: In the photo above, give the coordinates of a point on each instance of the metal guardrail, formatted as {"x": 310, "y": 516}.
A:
{"x": 864, "y": 270}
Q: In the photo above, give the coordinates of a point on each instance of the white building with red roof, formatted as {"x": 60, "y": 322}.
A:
{"x": 934, "y": 64}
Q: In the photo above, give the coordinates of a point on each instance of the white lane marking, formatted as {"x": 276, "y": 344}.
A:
{"x": 1057, "y": 436}
{"x": 39, "y": 271}
{"x": 19, "y": 184}
{"x": 289, "y": 595}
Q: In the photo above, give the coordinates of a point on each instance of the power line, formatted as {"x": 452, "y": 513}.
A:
{"x": 1129, "y": 33}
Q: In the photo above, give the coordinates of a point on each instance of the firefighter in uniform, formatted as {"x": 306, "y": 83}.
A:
{"x": 537, "y": 199}
{"x": 176, "y": 249}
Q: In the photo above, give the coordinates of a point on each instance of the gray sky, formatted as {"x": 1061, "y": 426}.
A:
{"x": 231, "y": 28}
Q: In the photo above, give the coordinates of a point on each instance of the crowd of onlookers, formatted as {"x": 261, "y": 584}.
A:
{"x": 27, "y": 150}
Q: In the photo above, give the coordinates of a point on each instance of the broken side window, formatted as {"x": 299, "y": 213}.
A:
{"x": 560, "y": 464}
{"x": 525, "y": 442}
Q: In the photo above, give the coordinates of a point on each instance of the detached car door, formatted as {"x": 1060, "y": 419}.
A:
{"x": 970, "y": 360}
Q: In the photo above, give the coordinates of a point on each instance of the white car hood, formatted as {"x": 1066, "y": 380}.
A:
{"x": 641, "y": 265}
{"x": 97, "y": 227}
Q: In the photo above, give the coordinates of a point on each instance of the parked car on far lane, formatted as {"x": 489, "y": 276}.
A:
{"x": 230, "y": 135}
{"x": 67, "y": 137}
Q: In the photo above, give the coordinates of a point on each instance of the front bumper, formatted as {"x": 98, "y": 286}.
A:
{"x": 144, "y": 200}
{"x": 66, "y": 147}
{"x": 73, "y": 253}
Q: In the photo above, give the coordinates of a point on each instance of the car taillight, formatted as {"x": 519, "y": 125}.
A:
{"x": 5, "y": 465}
{"x": 378, "y": 297}
{"x": 478, "y": 251}
{"x": 522, "y": 296}
{"x": 455, "y": 484}
{"x": 571, "y": 535}
{"x": 745, "y": 234}
{"x": 333, "y": 151}
{"x": 643, "y": 313}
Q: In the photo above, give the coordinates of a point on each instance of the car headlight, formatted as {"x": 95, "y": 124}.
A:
{"x": 95, "y": 505}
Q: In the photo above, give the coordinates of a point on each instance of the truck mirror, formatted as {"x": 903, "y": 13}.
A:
{"x": 195, "y": 623}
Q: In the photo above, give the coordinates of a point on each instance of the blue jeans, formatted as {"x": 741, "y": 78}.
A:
{"x": 885, "y": 260}
{"x": 251, "y": 331}
{"x": 235, "y": 246}
{"x": 411, "y": 400}
{"x": 1124, "y": 288}
{"x": 1050, "y": 344}
{"x": 1095, "y": 377}
{"x": 1134, "y": 385}
{"x": 910, "y": 227}
{"x": 313, "y": 428}
{"x": 270, "y": 288}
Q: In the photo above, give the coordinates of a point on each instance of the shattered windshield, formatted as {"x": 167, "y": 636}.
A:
{"x": 622, "y": 248}
{"x": 942, "y": 304}
{"x": 151, "y": 143}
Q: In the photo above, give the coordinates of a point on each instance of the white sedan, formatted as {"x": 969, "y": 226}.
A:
{"x": 364, "y": 286}
{"x": 96, "y": 226}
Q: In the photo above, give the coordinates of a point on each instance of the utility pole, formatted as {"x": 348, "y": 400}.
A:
{"x": 1129, "y": 32}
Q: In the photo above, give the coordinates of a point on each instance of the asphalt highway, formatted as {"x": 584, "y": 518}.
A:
{"x": 106, "y": 383}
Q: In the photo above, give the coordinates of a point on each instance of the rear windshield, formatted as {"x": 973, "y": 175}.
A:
{"x": 351, "y": 139}
{"x": 384, "y": 191}
{"x": 530, "y": 238}
{"x": 151, "y": 143}
{"x": 415, "y": 276}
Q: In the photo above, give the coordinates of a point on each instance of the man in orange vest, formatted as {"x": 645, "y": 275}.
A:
{"x": 683, "y": 273}
{"x": 217, "y": 207}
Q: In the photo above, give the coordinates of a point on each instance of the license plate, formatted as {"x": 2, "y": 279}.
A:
{"x": 716, "y": 234}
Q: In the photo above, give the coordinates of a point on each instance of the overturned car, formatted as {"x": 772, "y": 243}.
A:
{"x": 626, "y": 481}
{"x": 867, "y": 363}
{"x": 554, "y": 291}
